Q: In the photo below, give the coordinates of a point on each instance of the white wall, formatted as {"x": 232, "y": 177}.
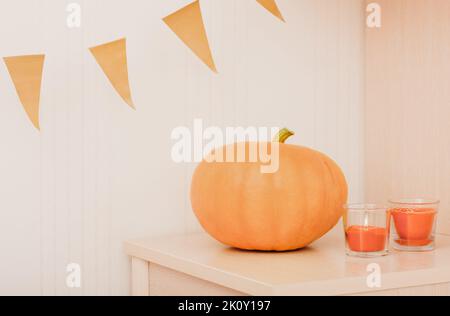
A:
{"x": 408, "y": 104}
{"x": 100, "y": 173}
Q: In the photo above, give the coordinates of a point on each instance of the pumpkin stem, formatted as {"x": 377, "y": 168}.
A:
{"x": 283, "y": 136}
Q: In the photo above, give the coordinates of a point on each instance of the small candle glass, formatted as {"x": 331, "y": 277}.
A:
{"x": 367, "y": 230}
{"x": 414, "y": 222}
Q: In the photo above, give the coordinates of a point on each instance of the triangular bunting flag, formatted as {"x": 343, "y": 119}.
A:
{"x": 26, "y": 74}
{"x": 187, "y": 24}
{"x": 112, "y": 58}
{"x": 271, "y": 6}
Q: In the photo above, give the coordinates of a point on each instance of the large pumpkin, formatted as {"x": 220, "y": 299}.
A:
{"x": 242, "y": 207}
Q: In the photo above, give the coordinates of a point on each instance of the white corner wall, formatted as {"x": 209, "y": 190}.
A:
{"x": 100, "y": 173}
{"x": 408, "y": 104}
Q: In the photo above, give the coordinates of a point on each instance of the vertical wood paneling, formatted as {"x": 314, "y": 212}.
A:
{"x": 408, "y": 103}
{"x": 100, "y": 173}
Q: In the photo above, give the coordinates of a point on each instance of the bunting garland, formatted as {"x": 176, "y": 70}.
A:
{"x": 112, "y": 58}
{"x": 186, "y": 23}
{"x": 272, "y": 7}
{"x": 26, "y": 75}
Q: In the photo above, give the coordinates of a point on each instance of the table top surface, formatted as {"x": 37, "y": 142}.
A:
{"x": 321, "y": 269}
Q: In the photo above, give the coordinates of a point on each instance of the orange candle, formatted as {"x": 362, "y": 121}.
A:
{"x": 366, "y": 238}
{"x": 414, "y": 226}
{"x": 366, "y": 228}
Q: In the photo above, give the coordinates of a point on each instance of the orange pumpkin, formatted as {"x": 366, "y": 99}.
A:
{"x": 244, "y": 208}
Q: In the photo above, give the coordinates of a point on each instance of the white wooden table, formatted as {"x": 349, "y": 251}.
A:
{"x": 196, "y": 265}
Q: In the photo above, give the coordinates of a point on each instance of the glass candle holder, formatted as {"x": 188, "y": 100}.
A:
{"x": 414, "y": 224}
{"x": 367, "y": 229}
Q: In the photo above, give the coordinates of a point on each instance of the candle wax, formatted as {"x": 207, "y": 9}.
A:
{"x": 414, "y": 226}
{"x": 366, "y": 238}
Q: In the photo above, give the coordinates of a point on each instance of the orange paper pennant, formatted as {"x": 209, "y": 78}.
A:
{"x": 26, "y": 74}
{"x": 112, "y": 58}
{"x": 187, "y": 23}
{"x": 271, "y": 6}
